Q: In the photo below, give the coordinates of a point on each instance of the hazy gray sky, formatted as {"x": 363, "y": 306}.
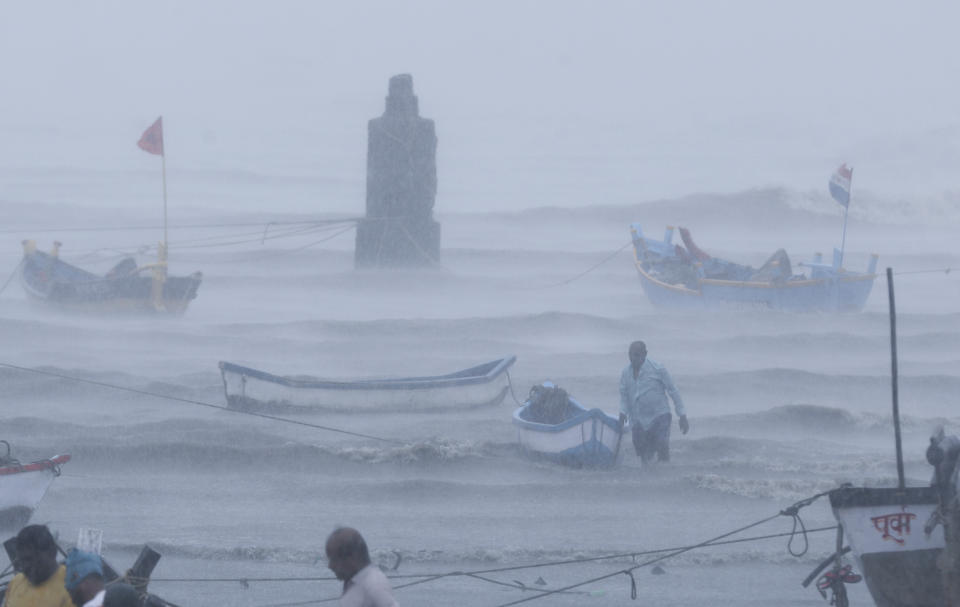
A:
{"x": 535, "y": 102}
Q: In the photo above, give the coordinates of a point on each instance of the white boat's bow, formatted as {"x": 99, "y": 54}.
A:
{"x": 23, "y": 485}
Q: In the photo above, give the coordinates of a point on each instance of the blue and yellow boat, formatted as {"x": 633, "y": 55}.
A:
{"x": 685, "y": 277}
{"x": 125, "y": 288}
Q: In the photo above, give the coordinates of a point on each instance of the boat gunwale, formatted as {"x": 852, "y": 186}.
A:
{"x": 584, "y": 416}
{"x": 46, "y": 464}
{"x": 809, "y": 282}
{"x": 27, "y": 276}
{"x": 747, "y": 284}
{"x": 862, "y": 497}
{"x": 399, "y": 383}
{"x": 679, "y": 289}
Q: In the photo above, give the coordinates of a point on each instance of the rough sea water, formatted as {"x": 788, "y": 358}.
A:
{"x": 782, "y": 406}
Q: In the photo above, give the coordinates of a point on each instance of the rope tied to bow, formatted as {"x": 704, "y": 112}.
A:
{"x": 633, "y": 584}
{"x": 794, "y": 512}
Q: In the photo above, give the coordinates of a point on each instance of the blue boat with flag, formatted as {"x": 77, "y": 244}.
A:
{"x": 683, "y": 276}
{"x": 553, "y": 425}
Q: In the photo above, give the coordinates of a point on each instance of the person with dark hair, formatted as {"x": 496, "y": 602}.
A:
{"x": 364, "y": 585}
{"x": 84, "y": 579}
{"x": 40, "y": 582}
{"x": 644, "y": 386}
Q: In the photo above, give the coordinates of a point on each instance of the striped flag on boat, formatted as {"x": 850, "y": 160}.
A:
{"x": 840, "y": 184}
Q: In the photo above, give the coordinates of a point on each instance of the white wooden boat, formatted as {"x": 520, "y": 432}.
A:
{"x": 251, "y": 389}
{"x": 22, "y": 486}
{"x": 584, "y": 437}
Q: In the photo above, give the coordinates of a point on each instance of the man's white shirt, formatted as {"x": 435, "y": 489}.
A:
{"x": 368, "y": 588}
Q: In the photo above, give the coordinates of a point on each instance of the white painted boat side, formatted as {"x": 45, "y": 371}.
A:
{"x": 568, "y": 438}
{"x": 411, "y": 399}
{"x": 894, "y": 528}
{"x": 25, "y": 489}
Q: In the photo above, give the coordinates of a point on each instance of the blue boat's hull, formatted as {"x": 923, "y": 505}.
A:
{"x": 814, "y": 295}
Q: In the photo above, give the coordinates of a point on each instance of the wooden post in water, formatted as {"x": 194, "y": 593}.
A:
{"x": 893, "y": 378}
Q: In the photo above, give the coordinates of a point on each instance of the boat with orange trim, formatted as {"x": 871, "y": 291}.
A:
{"x": 23, "y": 485}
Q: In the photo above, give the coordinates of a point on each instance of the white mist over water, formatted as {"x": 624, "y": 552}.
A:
{"x": 782, "y": 406}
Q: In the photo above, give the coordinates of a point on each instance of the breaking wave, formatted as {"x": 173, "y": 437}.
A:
{"x": 782, "y": 489}
{"x": 253, "y": 449}
{"x": 759, "y": 207}
{"x": 435, "y": 450}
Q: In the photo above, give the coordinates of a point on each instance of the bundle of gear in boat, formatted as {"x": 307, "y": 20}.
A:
{"x": 548, "y": 404}
{"x": 689, "y": 264}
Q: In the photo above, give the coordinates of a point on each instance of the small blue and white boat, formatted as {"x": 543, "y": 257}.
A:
{"x": 486, "y": 384}
{"x": 685, "y": 277}
{"x": 575, "y": 436}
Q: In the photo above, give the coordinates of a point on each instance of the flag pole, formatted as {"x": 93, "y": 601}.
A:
{"x": 846, "y": 210}
{"x": 152, "y": 142}
{"x": 160, "y": 273}
{"x": 163, "y": 169}
{"x": 901, "y": 483}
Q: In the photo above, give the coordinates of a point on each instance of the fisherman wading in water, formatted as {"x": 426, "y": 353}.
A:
{"x": 644, "y": 386}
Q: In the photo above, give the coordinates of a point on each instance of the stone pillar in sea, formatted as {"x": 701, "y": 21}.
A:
{"x": 399, "y": 229}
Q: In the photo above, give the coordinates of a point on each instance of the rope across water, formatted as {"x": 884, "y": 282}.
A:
{"x": 792, "y": 511}
{"x": 481, "y": 574}
{"x": 200, "y": 403}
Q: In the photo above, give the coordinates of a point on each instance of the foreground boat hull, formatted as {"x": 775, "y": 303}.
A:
{"x": 251, "y": 389}
{"x": 590, "y": 439}
{"x": 885, "y": 530}
{"x": 22, "y": 487}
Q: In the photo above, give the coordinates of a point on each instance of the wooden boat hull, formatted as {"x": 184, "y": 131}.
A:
{"x": 826, "y": 290}
{"x": 824, "y": 295}
{"x": 49, "y": 279}
{"x": 251, "y": 389}
{"x": 885, "y": 530}
{"x": 22, "y": 486}
{"x": 589, "y": 439}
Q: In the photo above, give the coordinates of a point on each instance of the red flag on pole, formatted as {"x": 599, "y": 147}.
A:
{"x": 152, "y": 138}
